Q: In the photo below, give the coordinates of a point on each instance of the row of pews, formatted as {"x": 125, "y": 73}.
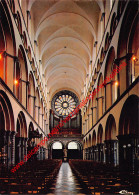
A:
{"x": 104, "y": 179}
{"x": 32, "y": 178}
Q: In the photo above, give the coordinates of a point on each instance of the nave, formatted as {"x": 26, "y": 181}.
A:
{"x": 81, "y": 177}
{"x": 67, "y": 183}
{"x": 41, "y": 177}
{"x": 54, "y": 55}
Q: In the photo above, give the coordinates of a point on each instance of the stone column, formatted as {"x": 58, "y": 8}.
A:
{"x": 18, "y": 149}
{"x": 4, "y": 148}
{"x": 26, "y": 146}
{"x": 13, "y": 147}
{"x": 41, "y": 153}
{"x": 8, "y": 133}
{"x": 22, "y": 148}
{"x": 65, "y": 154}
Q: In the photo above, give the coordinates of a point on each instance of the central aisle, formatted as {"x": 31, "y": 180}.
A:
{"x": 66, "y": 183}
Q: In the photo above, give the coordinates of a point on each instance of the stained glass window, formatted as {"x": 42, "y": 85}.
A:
{"x": 64, "y": 103}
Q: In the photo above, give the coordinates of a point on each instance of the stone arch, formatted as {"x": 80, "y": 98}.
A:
{"x": 6, "y": 112}
{"x": 25, "y": 40}
{"x": 120, "y": 8}
{"x": 100, "y": 144}
{"x": 100, "y": 135}
{"x": 108, "y": 70}
{"x": 113, "y": 24}
{"x": 129, "y": 116}
{"x": 23, "y": 81}
{"x": 19, "y": 23}
{"x": 21, "y": 126}
{"x": 100, "y": 97}
{"x": 7, "y": 37}
{"x": 74, "y": 153}
{"x": 107, "y": 42}
{"x": 55, "y": 153}
{"x": 102, "y": 55}
{"x": 94, "y": 138}
{"x": 12, "y": 5}
{"x": 127, "y": 42}
{"x": 31, "y": 95}
{"x": 128, "y": 134}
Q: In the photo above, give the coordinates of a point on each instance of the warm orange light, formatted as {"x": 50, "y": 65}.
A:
{"x": 16, "y": 82}
{"x": 134, "y": 58}
{"x": 0, "y": 56}
{"x": 116, "y": 83}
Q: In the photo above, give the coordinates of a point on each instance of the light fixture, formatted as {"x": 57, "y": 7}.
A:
{"x": 1, "y": 56}
{"x": 124, "y": 146}
{"x": 116, "y": 83}
{"x": 134, "y": 58}
{"x": 16, "y": 82}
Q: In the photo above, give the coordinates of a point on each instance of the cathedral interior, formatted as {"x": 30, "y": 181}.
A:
{"x": 53, "y": 55}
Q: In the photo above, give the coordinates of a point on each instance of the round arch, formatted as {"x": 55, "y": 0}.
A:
{"x": 74, "y": 149}
{"x": 128, "y": 134}
{"x": 94, "y": 138}
{"x": 31, "y": 95}
{"x": 110, "y": 130}
{"x": 7, "y": 128}
{"x": 128, "y": 123}
{"x": 100, "y": 135}
{"x": 58, "y": 151}
{"x": 108, "y": 69}
{"x": 7, "y": 112}
{"x": 111, "y": 143}
{"x": 30, "y": 129}
{"x": 127, "y": 44}
{"x": 21, "y": 126}
{"x": 8, "y": 45}
{"x": 100, "y": 144}
{"x": 21, "y": 137}
{"x": 100, "y": 97}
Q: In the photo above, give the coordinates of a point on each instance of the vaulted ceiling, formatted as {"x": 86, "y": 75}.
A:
{"x": 65, "y": 32}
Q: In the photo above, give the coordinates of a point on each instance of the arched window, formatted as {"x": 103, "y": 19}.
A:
{"x": 17, "y": 80}
{"x": 121, "y": 5}
{"x": 12, "y": 5}
{"x": 102, "y": 55}
{"x": 19, "y": 24}
{"x": 29, "y": 53}
{"x": 133, "y": 48}
{"x": 57, "y": 145}
{"x": 108, "y": 87}
{"x": 100, "y": 98}
{"x": 113, "y": 25}
{"x": 2, "y": 49}
{"x": 98, "y": 66}
{"x": 31, "y": 96}
{"x": 72, "y": 145}
{"x": 23, "y": 82}
{"x": 106, "y": 43}
{"x": 25, "y": 40}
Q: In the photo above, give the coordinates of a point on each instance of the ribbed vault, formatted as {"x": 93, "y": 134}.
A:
{"x": 65, "y": 32}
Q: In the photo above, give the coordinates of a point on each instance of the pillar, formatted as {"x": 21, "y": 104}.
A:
{"x": 13, "y": 147}
{"x": 8, "y": 138}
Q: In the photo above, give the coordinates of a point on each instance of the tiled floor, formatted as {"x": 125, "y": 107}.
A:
{"x": 66, "y": 183}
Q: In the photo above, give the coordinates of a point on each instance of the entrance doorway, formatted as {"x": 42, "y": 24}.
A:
{"x": 57, "y": 150}
{"x": 74, "y": 150}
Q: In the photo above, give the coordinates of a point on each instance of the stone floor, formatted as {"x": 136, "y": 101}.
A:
{"x": 66, "y": 183}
